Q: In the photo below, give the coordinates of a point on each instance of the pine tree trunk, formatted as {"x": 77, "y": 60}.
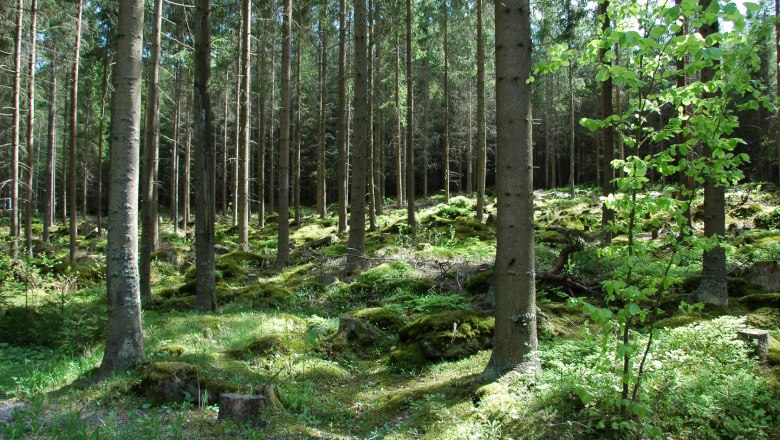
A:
{"x": 445, "y": 14}
{"x": 16, "y": 129}
{"x": 341, "y": 139}
{"x": 357, "y": 218}
{"x": 236, "y": 138}
{"x": 101, "y": 141}
{"x": 549, "y": 156}
{"x": 297, "y": 136}
{"x": 124, "y": 345}
{"x": 410, "y": 202}
{"x": 225, "y": 155}
{"x": 51, "y": 164}
{"x": 370, "y": 159}
{"x": 185, "y": 204}
{"x": 261, "y": 145}
{"x": 64, "y": 169}
{"x": 378, "y": 153}
{"x": 481, "y": 135}
{"x": 206, "y": 292}
{"x": 73, "y": 133}
{"x": 30, "y": 129}
{"x": 244, "y": 170}
{"x": 571, "y": 130}
{"x": 283, "y": 245}
{"x": 322, "y": 208}
{"x": 271, "y": 140}
{"x": 515, "y": 341}
{"x": 150, "y": 160}
{"x": 399, "y": 162}
{"x": 175, "y": 151}
{"x": 777, "y": 75}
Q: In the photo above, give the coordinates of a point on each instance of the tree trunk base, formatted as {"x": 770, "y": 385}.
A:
{"x": 761, "y": 340}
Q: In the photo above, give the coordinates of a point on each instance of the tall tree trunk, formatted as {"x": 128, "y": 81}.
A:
{"x": 271, "y": 139}
{"x": 470, "y": 143}
{"x": 410, "y": 202}
{"x": 549, "y": 156}
{"x": 713, "y": 287}
{"x": 175, "y": 150}
{"x": 481, "y": 129}
{"x": 244, "y": 170}
{"x": 125, "y": 342}
{"x": 777, "y": 78}
{"x": 446, "y": 13}
{"x": 399, "y": 162}
{"x": 205, "y": 287}
{"x": 64, "y": 169}
{"x": 515, "y": 341}
{"x": 357, "y": 218}
{"x": 341, "y": 139}
{"x": 322, "y": 207}
{"x": 283, "y": 246}
{"x": 16, "y": 129}
{"x": 378, "y": 152}
{"x": 185, "y": 204}
{"x": 85, "y": 155}
{"x": 150, "y": 160}
{"x": 225, "y": 155}
{"x": 608, "y": 133}
{"x": 571, "y": 130}
{"x": 49, "y": 188}
{"x": 73, "y": 132}
{"x": 237, "y": 136}
{"x": 101, "y": 141}
{"x": 30, "y": 129}
{"x": 261, "y": 142}
{"x": 296, "y": 196}
{"x": 371, "y": 162}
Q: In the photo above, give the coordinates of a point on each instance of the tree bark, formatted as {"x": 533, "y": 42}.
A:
{"x": 777, "y": 78}
{"x": 357, "y": 218}
{"x": 515, "y": 341}
{"x": 16, "y": 129}
{"x": 150, "y": 160}
{"x": 342, "y": 128}
{"x": 185, "y": 204}
{"x": 378, "y": 153}
{"x": 243, "y": 178}
{"x": 101, "y": 140}
{"x": 283, "y": 245}
{"x": 124, "y": 345}
{"x": 399, "y": 162}
{"x": 51, "y": 164}
{"x": 73, "y": 133}
{"x": 410, "y": 202}
{"x": 322, "y": 208}
{"x": 175, "y": 151}
{"x": 481, "y": 136}
{"x": 371, "y": 163}
{"x": 30, "y": 130}
{"x": 296, "y": 177}
{"x": 261, "y": 145}
{"x": 571, "y": 129}
{"x": 225, "y": 154}
{"x": 206, "y": 291}
{"x": 446, "y": 13}
{"x": 608, "y": 149}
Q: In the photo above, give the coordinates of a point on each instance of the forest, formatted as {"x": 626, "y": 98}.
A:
{"x": 397, "y": 219}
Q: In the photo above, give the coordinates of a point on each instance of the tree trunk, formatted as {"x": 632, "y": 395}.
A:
{"x": 271, "y": 139}
{"x": 85, "y": 156}
{"x": 16, "y": 128}
{"x": 322, "y": 208}
{"x": 243, "y": 178}
{"x": 124, "y": 345}
{"x": 399, "y": 181}
{"x": 101, "y": 140}
{"x": 571, "y": 130}
{"x": 371, "y": 162}
{"x": 777, "y": 75}
{"x": 73, "y": 133}
{"x": 225, "y": 154}
{"x": 608, "y": 149}
{"x": 49, "y": 188}
{"x": 446, "y": 13}
{"x": 30, "y": 130}
{"x": 206, "y": 291}
{"x": 549, "y": 154}
{"x": 357, "y": 218}
{"x": 64, "y": 167}
{"x": 713, "y": 288}
{"x": 237, "y": 136}
{"x": 261, "y": 142}
{"x": 410, "y": 202}
{"x": 297, "y": 135}
{"x": 150, "y": 160}
{"x": 185, "y": 203}
{"x": 175, "y": 151}
{"x": 342, "y": 128}
{"x": 515, "y": 342}
{"x": 283, "y": 245}
{"x": 481, "y": 136}
{"x": 378, "y": 153}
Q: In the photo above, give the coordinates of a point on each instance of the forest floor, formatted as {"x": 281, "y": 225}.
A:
{"x": 408, "y": 366}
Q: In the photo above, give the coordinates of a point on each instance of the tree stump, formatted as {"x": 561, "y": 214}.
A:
{"x": 248, "y": 409}
{"x": 356, "y": 331}
{"x": 766, "y": 275}
{"x": 759, "y": 340}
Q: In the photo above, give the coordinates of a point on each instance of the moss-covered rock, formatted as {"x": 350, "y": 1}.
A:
{"x": 766, "y": 318}
{"x": 479, "y": 283}
{"x": 758, "y": 300}
{"x": 176, "y": 382}
{"x": 739, "y": 287}
{"x": 408, "y": 357}
{"x": 451, "y": 334}
{"x": 381, "y": 317}
{"x": 466, "y": 227}
{"x": 354, "y": 332}
{"x": 234, "y": 264}
{"x": 267, "y": 345}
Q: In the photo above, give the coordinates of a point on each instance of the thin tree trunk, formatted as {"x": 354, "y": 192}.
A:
{"x": 73, "y": 133}
{"x": 206, "y": 292}
{"x": 399, "y": 180}
{"x": 481, "y": 129}
{"x": 49, "y": 188}
{"x": 369, "y": 154}
{"x": 470, "y": 144}
{"x": 271, "y": 139}
{"x": 297, "y": 135}
{"x": 446, "y": 13}
{"x": 236, "y": 138}
{"x": 342, "y": 121}
{"x": 225, "y": 155}
{"x": 16, "y": 129}
{"x": 608, "y": 149}
{"x": 261, "y": 142}
{"x": 571, "y": 130}
{"x": 101, "y": 140}
{"x": 63, "y": 165}
{"x": 244, "y": 170}
{"x": 124, "y": 345}
{"x": 357, "y": 219}
{"x": 777, "y": 75}
{"x": 150, "y": 160}
{"x": 85, "y": 156}
{"x": 30, "y": 129}
{"x": 283, "y": 245}
{"x": 175, "y": 151}
{"x": 410, "y": 202}
{"x": 378, "y": 184}
{"x": 322, "y": 207}
{"x": 185, "y": 206}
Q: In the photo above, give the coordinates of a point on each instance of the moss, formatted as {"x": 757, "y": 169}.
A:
{"x": 381, "y": 317}
{"x": 450, "y": 334}
{"x": 176, "y": 382}
{"x": 232, "y": 265}
{"x": 479, "y": 283}
{"x": 318, "y": 370}
{"x": 774, "y": 380}
{"x": 739, "y": 287}
{"x": 679, "y": 320}
{"x": 773, "y": 355}
{"x": 766, "y": 318}
{"x": 408, "y": 357}
{"x": 550, "y": 236}
{"x": 180, "y": 303}
{"x": 267, "y": 345}
{"x": 268, "y": 295}
{"x": 470, "y": 227}
{"x": 171, "y": 350}
{"x": 761, "y": 300}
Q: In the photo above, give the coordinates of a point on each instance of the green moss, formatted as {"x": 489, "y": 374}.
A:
{"x": 739, "y": 287}
{"x": 381, "y": 317}
{"x": 267, "y": 295}
{"x": 180, "y": 303}
{"x": 320, "y": 371}
{"x": 679, "y": 320}
{"x": 550, "y": 236}
{"x": 175, "y": 382}
{"x": 171, "y": 350}
{"x": 773, "y": 355}
{"x": 450, "y": 334}
{"x": 761, "y": 300}
{"x": 766, "y": 318}
{"x": 234, "y": 264}
{"x": 470, "y": 227}
{"x": 408, "y": 357}
{"x": 479, "y": 283}
{"x": 267, "y": 345}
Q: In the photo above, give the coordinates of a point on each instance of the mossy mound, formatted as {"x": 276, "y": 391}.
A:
{"x": 479, "y": 283}
{"x": 265, "y": 295}
{"x": 469, "y": 227}
{"x": 557, "y": 320}
{"x": 447, "y": 335}
{"x": 408, "y": 357}
{"x": 739, "y": 287}
{"x": 389, "y": 278}
{"x": 319, "y": 370}
{"x": 765, "y": 318}
{"x": 234, "y": 264}
{"x": 266, "y": 345}
{"x": 177, "y": 382}
{"x": 171, "y": 350}
{"x": 773, "y": 354}
{"x": 552, "y": 237}
{"x": 180, "y": 303}
{"x": 381, "y": 317}
{"x": 91, "y": 268}
{"x": 758, "y": 300}
{"x": 679, "y": 320}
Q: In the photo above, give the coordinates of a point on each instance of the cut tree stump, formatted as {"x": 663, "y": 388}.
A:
{"x": 766, "y": 275}
{"x": 248, "y": 409}
{"x": 761, "y": 340}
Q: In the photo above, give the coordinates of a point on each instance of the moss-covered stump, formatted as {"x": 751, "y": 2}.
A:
{"x": 758, "y": 300}
{"x": 479, "y": 283}
{"x": 265, "y": 295}
{"x": 355, "y": 331}
{"x": 381, "y": 317}
{"x": 249, "y": 409}
{"x": 265, "y": 345}
{"x": 447, "y": 335}
{"x": 773, "y": 354}
{"x": 408, "y": 357}
{"x": 177, "y": 382}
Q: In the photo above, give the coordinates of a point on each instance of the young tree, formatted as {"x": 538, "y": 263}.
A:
{"x": 283, "y": 246}
{"x": 243, "y": 178}
{"x": 481, "y": 123}
{"x": 445, "y": 24}
{"x": 205, "y": 287}
{"x": 322, "y": 208}
{"x": 410, "y": 208}
{"x": 16, "y": 129}
{"x": 515, "y": 342}
{"x": 357, "y": 218}
{"x": 124, "y": 345}
{"x": 49, "y": 187}
{"x": 101, "y": 141}
{"x": 341, "y": 138}
{"x": 608, "y": 133}
{"x": 73, "y": 132}
{"x": 30, "y": 129}
{"x": 149, "y": 222}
